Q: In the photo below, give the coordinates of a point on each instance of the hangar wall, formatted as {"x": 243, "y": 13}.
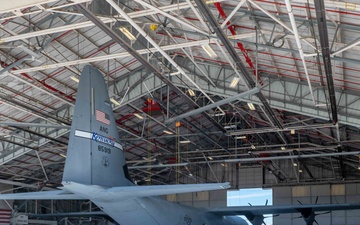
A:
{"x": 6, "y": 189}
{"x": 257, "y": 177}
{"x": 200, "y": 199}
{"x": 329, "y": 193}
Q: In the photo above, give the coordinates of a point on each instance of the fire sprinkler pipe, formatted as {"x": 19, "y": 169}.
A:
{"x": 240, "y": 45}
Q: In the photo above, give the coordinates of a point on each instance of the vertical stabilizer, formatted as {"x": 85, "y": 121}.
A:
{"x": 94, "y": 154}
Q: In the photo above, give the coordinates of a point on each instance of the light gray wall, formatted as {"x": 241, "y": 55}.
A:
{"x": 329, "y": 193}
{"x": 335, "y": 193}
{"x": 246, "y": 177}
{"x": 4, "y": 188}
{"x": 200, "y": 199}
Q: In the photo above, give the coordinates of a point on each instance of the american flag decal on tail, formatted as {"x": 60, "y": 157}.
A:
{"x": 5, "y": 216}
{"x": 102, "y": 117}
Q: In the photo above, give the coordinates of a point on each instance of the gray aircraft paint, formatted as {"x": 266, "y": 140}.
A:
{"x": 93, "y": 160}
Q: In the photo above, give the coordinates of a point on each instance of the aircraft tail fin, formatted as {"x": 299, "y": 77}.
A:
{"x": 94, "y": 155}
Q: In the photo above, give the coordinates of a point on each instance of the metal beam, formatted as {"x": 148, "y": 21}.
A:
{"x": 288, "y": 157}
{"x": 215, "y": 104}
{"x": 289, "y": 128}
{"x": 141, "y": 59}
{"x": 249, "y": 82}
{"x": 324, "y": 42}
{"x": 19, "y": 124}
{"x": 158, "y": 166}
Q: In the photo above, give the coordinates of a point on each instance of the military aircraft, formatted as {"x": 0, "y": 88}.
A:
{"x": 96, "y": 169}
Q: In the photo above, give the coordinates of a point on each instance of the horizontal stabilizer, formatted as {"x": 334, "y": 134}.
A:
{"x": 155, "y": 190}
{"x": 123, "y": 192}
{"x": 41, "y": 195}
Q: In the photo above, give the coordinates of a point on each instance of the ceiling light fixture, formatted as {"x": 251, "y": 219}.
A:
{"x": 62, "y": 155}
{"x": 138, "y": 116}
{"x": 295, "y": 164}
{"x": 127, "y": 33}
{"x": 209, "y": 51}
{"x": 75, "y": 79}
{"x": 300, "y": 171}
{"x": 219, "y": 114}
{"x": 184, "y": 142}
{"x": 168, "y": 132}
{"x": 211, "y": 158}
{"x": 233, "y": 126}
{"x": 251, "y": 106}
{"x": 292, "y": 131}
{"x": 234, "y": 82}
{"x": 175, "y": 73}
{"x": 191, "y": 92}
{"x": 114, "y": 101}
{"x": 253, "y": 147}
{"x": 283, "y": 148}
{"x": 240, "y": 137}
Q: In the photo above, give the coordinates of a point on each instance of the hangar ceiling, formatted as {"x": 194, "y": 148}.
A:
{"x": 295, "y": 61}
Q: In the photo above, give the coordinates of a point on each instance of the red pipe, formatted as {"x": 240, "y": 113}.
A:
{"x": 22, "y": 11}
{"x": 123, "y": 67}
{"x": 41, "y": 82}
{"x": 62, "y": 35}
{"x": 56, "y": 90}
{"x": 240, "y": 45}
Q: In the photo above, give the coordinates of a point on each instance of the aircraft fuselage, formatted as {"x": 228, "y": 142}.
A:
{"x": 157, "y": 211}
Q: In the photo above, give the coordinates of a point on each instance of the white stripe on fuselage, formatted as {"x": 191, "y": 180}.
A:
{"x": 98, "y": 138}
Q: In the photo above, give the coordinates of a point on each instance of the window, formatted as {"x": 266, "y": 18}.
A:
{"x": 254, "y": 196}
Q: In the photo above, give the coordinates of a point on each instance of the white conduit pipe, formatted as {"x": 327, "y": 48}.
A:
{"x": 232, "y": 13}
{"x": 345, "y": 48}
{"x": 299, "y": 45}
